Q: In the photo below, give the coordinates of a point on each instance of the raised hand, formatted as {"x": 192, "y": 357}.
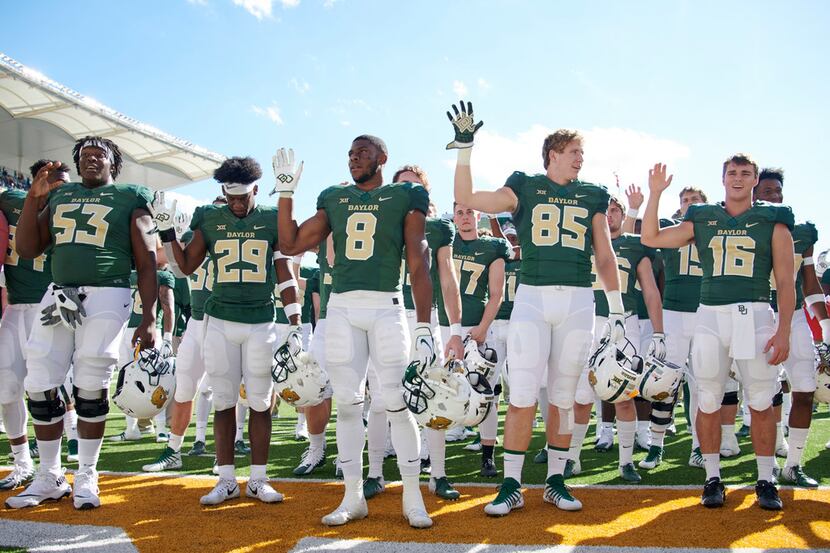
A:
{"x": 464, "y": 125}
{"x": 49, "y": 177}
{"x": 635, "y": 196}
{"x": 287, "y": 177}
{"x": 163, "y": 216}
{"x": 657, "y": 181}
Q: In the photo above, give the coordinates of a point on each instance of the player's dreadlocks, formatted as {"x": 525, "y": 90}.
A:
{"x": 240, "y": 170}
{"x": 103, "y": 143}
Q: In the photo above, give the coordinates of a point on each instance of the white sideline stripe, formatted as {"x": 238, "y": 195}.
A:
{"x": 312, "y": 545}
{"x": 43, "y": 537}
{"x": 171, "y": 474}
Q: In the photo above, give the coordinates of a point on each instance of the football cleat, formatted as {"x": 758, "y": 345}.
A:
{"x": 240, "y": 448}
{"x": 19, "y": 476}
{"x": 782, "y": 448}
{"x": 696, "y": 459}
{"x": 475, "y": 445}
{"x": 767, "y": 495}
{"x": 298, "y": 378}
{"x": 312, "y": 459}
{"x": 426, "y": 466}
{"x": 85, "y": 490}
{"x": 301, "y": 433}
{"x": 197, "y": 449}
{"x": 615, "y": 372}
{"x": 44, "y": 487}
{"x": 557, "y": 493}
{"x": 215, "y": 469}
{"x": 225, "y": 489}
{"x": 162, "y": 438}
{"x": 509, "y": 497}
{"x": 415, "y": 512}
{"x": 455, "y": 434}
{"x": 606, "y": 439}
{"x": 263, "y": 491}
{"x": 743, "y": 431}
{"x": 795, "y": 476}
{"x": 488, "y": 468}
{"x": 714, "y": 493}
{"x": 729, "y": 446}
{"x": 72, "y": 451}
{"x": 443, "y": 488}
{"x": 641, "y": 440}
{"x": 126, "y": 436}
{"x": 373, "y": 486}
{"x": 572, "y": 468}
{"x": 346, "y": 512}
{"x": 168, "y": 460}
{"x": 146, "y": 385}
{"x": 653, "y": 459}
{"x": 629, "y": 473}
{"x": 541, "y": 457}
{"x": 34, "y": 452}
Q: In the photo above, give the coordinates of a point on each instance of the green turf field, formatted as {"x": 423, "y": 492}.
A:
{"x": 463, "y": 466}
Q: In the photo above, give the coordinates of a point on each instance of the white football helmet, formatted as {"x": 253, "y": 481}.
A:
{"x": 822, "y": 393}
{"x": 479, "y": 359}
{"x": 146, "y": 385}
{"x": 660, "y": 379}
{"x": 298, "y": 378}
{"x": 439, "y": 397}
{"x": 615, "y": 372}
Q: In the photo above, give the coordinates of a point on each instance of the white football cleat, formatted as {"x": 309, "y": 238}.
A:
{"x": 347, "y": 512}
{"x": 263, "y": 491}
{"x": 85, "y": 493}
{"x": 20, "y": 475}
{"x": 415, "y": 513}
{"x": 455, "y": 434}
{"x": 729, "y": 446}
{"x": 45, "y": 486}
{"x": 225, "y": 489}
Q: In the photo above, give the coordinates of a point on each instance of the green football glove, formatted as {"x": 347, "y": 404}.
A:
{"x": 464, "y": 125}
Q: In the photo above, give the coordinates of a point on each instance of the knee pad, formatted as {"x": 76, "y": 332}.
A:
{"x": 777, "y": 399}
{"x": 91, "y": 405}
{"x": 709, "y": 396}
{"x": 730, "y": 398}
{"x": 761, "y": 397}
{"x": 350, "y": 411}
{"x": 661, "y": 413}
{"x": 393, "y": 399}
{"x": 46, "y": 407}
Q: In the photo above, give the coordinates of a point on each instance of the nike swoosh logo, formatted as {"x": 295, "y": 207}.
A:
{"x": 384, "y": 199}
{"x": 580, "y": 196}
{"x": 750, "y": 225}
{"x": 259, "y": 227}
{"x": 478, "y": 253}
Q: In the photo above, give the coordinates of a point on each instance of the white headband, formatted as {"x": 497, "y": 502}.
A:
{"x": 235, "y": 188}
{"x": 93, "y": 143}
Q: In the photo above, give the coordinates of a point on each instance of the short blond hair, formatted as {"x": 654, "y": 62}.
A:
{"x": 414, "y": 169}
{"x": 557, "y": 142}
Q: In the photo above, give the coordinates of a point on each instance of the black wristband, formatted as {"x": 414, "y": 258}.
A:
{"x": 167, "y": 235}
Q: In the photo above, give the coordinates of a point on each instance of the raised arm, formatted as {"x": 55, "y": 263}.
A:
{"x": 652, "y": 235}
{"x": 635, "y": 200}
{"x": 32, "y": 236}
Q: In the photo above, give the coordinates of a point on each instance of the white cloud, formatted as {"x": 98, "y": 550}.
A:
{"x": 627, "y": 152}
{"x": 460, "y": 89}
{"x": 186, "y": 203}
{"x": 258, "y": 8}
{"x": 271, "y": 112}
{"x": 290, "y": 3}
{"x": 345, "y": 123}
{"x": 300, "y": 85}
{"x": 483, "y": 84}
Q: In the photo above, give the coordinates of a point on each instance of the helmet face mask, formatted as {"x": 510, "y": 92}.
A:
{"x": 146, "y": 385}
{"x": 298, "y": 378}
{"x": 822, "y": 393}
{"x": 439, "y": 398}
{"x": 615, "y": 372}
{"x": 660, "y": 379}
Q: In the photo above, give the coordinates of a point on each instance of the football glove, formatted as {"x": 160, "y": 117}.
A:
{"x": 464, "y": 125}
{"x": 164, "y": 217}
{"x": 166, "y": 349}
{"x": 657, "y": 347}
{"x": 287, "y": 177}
{"x": 295, "y": 340}
{"x": 615, "y": 328}
{"x": 68, "y": 308}
{"x": 424, "y": 350}
{"x": 181, "y": 223}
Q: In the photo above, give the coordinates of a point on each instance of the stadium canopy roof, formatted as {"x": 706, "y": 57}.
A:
{"x": 40, "y": 118}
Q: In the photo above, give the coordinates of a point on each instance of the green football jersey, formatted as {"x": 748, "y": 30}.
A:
{"x": 805, "y": 236}
{"x": 201, "y": 286}
{"x": 736, "y": 252}
{"x": 439, "y": 233}
{"x": 163, "y": 278}
{"x": 472, "y": 259}
{"x": 683, "y": 275}
{"x": 368, "y": 233}
{"x": 326, "y": 282}
{"x": 630, "y": 251}
{"x": 90, "y": 229}
{"x": 305, "y": 299}
{"x": 243, "y": 262}
{"x": 511, "y": 281}
{"x": 825, "y": 278}
{"x": 26, "y": 279}
{"x": 181, "y": 295}
{"x": 312, "y": 285}
{"x": 554, "y": 227}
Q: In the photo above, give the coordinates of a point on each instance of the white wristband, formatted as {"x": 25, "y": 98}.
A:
{"x": 286, "y": 194}
{"x": 632, "y": 212}
{"x": 807, "y": 261}
{"x": 167, "y": 337}
{"x": 814, "y": 298}
{"x": 292, "y": 309}
{"x": 825, "y": 330}
{"x": 455, "y": 329}
{"x": 615, "y": 302}
{"x": 279, "y": 255}
{"x": 290, "y": 283}
{"x": 464, "y": 155}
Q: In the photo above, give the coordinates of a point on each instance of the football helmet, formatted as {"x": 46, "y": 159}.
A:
{"x": 660, "y": 379}
{"x": 146, "y": 385}
{"x": 298, "y": 378}
{"x": 479, "y": 359}
{"x": 822, "y": 393}
{"x": 614, "y": 372}
{"x": 437, "y": 397}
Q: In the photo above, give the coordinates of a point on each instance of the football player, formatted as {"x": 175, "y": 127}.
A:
{"x": 439, "y": 234}
{"x": 800, "y": 366}
{"x": 26, "y": 281}
{"x": 681, "y": 298}
{"x": 96, "y": 231}
{"x": 370, "y": 223}
{"x": 634, "y": 262}
{"x": 561, "y": 222}
{"x": 239, "y": 331}
{"x": 739, "y": 244}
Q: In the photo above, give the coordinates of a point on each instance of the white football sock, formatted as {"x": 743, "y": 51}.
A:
{"x": 88, "y": 451}
{"x": 797, "y": 438}
{"x": 376, "y": 437}
{"x": 625, "y": 433}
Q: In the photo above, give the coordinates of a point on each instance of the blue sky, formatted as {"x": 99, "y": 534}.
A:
{"x": 687, "y": 83}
